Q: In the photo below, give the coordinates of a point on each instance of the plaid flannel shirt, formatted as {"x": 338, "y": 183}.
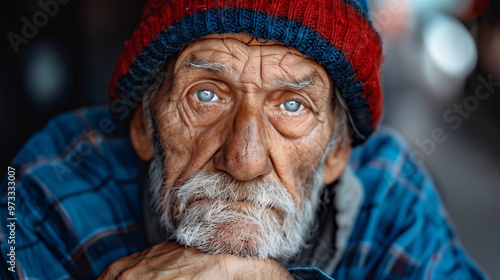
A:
{"x": 78, "y": 209}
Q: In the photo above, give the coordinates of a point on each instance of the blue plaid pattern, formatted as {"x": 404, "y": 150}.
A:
{"x": 78, "y": 209}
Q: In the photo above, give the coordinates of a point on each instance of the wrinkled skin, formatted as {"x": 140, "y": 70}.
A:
{"x": 246, "y": 133}
{"x": 168, "y": 260}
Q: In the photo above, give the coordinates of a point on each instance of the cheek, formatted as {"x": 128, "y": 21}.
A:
{"x": 176, "y": 139}
{"x": 308, "y": 156}
{"x": 296, "y": 159}
{"x": 188, "y": 149}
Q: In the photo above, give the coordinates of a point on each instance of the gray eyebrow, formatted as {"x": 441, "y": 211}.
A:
{"x": 296, "y": 85}
{"x": 201, "y": 64}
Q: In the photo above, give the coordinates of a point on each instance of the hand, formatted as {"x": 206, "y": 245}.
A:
{"x": 168, "y": 260}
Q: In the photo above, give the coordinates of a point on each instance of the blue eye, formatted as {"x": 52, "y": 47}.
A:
{"x": 291, "y": 105}
{"x": 206, "y": 95}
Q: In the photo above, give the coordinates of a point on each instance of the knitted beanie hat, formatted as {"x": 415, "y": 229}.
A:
{"x": 335, "y": 33}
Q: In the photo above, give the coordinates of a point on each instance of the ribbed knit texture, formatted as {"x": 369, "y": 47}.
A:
{"x": 336, "y": 33}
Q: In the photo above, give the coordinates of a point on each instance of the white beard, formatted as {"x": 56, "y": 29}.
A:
{"x": 202, "y": 214}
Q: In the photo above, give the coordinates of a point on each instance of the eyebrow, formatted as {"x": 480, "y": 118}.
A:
{"x": 201, "y": 64}
{"x": 297, "y": 84}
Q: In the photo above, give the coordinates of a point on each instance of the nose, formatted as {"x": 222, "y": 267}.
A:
{"x": 244, "y": 153}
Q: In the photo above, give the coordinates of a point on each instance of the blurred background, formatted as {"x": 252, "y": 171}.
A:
{"x": 441, "y": 79}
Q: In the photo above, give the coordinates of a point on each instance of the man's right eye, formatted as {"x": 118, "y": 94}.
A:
{"x": 206, "y": 95}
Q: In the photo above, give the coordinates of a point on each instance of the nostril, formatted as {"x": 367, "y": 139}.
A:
{"x": 244, "y": 153}
{"x": 242, "y": 165}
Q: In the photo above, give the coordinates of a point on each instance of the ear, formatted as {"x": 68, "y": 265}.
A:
{"x": 139, "y": 135}
{"x": 335, "y": 162}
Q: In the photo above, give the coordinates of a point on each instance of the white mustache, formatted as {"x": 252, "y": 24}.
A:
{"x": 198, "y": 224}
{"x": 222, "y": 187}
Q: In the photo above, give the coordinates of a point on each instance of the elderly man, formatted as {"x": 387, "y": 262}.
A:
{"x": 231, "y": 158}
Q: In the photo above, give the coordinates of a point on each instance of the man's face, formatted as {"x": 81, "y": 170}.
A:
{"x": 241, "y": 122}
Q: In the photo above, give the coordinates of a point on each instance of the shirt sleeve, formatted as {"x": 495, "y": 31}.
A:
{"x": 24, "y": 254}
{"x": 76, "y": 207}
{"x": 403, "y": 230}
{"x": 41, "y": 234}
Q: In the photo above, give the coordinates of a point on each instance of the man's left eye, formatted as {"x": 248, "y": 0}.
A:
{"x": 206, "y": 95}
{"x": 291, "y": 106}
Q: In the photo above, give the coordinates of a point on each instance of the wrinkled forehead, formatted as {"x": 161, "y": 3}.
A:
{"x": 242, "y": 54}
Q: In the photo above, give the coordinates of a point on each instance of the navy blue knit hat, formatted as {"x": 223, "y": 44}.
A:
{"x": 336, "y": 33}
